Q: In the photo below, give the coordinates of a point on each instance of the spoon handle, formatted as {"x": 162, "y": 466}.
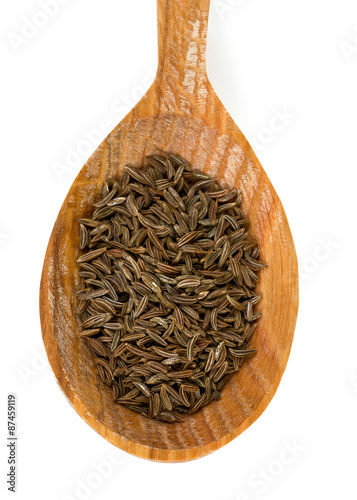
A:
{"x": 182, "y": 36}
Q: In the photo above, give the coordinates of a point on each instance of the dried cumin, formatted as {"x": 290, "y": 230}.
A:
{"x": 168, "y": 272}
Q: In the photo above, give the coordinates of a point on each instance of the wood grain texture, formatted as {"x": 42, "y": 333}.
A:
{"x": 181, "y": 114}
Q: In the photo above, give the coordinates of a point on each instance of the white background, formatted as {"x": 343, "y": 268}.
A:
{"x": 76, "y": 75}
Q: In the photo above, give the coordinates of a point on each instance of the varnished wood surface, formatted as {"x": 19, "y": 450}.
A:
{"x": 181, "y": 114}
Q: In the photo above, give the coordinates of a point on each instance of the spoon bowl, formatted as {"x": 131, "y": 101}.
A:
{"x": 180, "y": 114}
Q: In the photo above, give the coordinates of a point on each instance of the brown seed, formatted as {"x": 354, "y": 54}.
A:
{"x": 105, "y": 365}
{"x": 172, "y": 361}
{"x": 156, "y": 337}
{"x": 235, "y": 303}
{"x": 191, "y": 346}
{"x": 119, "y": 350}
{"x": 156, "y": 367}
{"x": 89, "y": 333}
{"x": 97, "y": 320}
{"x": 246, "y": 276}
{"x": 104, "y": 305}
{"x": 210, "y": 360}
{"x": 198, "y": 403}
{"x": 241, "y": 353}
{"x": 218, "y": 350}
{"x": 184, "y": 397}
{"x": 84, "y": 239}
{"x": 156, "y": 405}
{"x": 143, "y": 388}
{"x": 220, "y": 372}
{"x": 115, "y": 341}
{"x": 187, "y": 238}
{"x": 97, "y": 347}
{"x": 92, "y": 294}
{"x": 225, "y": 254}
{"x": 165, "y": 268}
{"x": 189, "y": 282}
{"x": 165, "y": 400}
{"x": 181, "y": 374}
{"x": 91, "y": 255}
{"x": 167, "y": 416}
{"x": 184, "y": 299}
{"x": 213, "y": 213}
{"x": 142, "y": 306}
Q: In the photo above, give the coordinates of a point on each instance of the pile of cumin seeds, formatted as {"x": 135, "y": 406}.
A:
{"x": 168, "y": 273}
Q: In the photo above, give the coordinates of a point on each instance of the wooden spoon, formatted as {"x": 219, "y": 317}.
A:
{"x": 180, "y": 114}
